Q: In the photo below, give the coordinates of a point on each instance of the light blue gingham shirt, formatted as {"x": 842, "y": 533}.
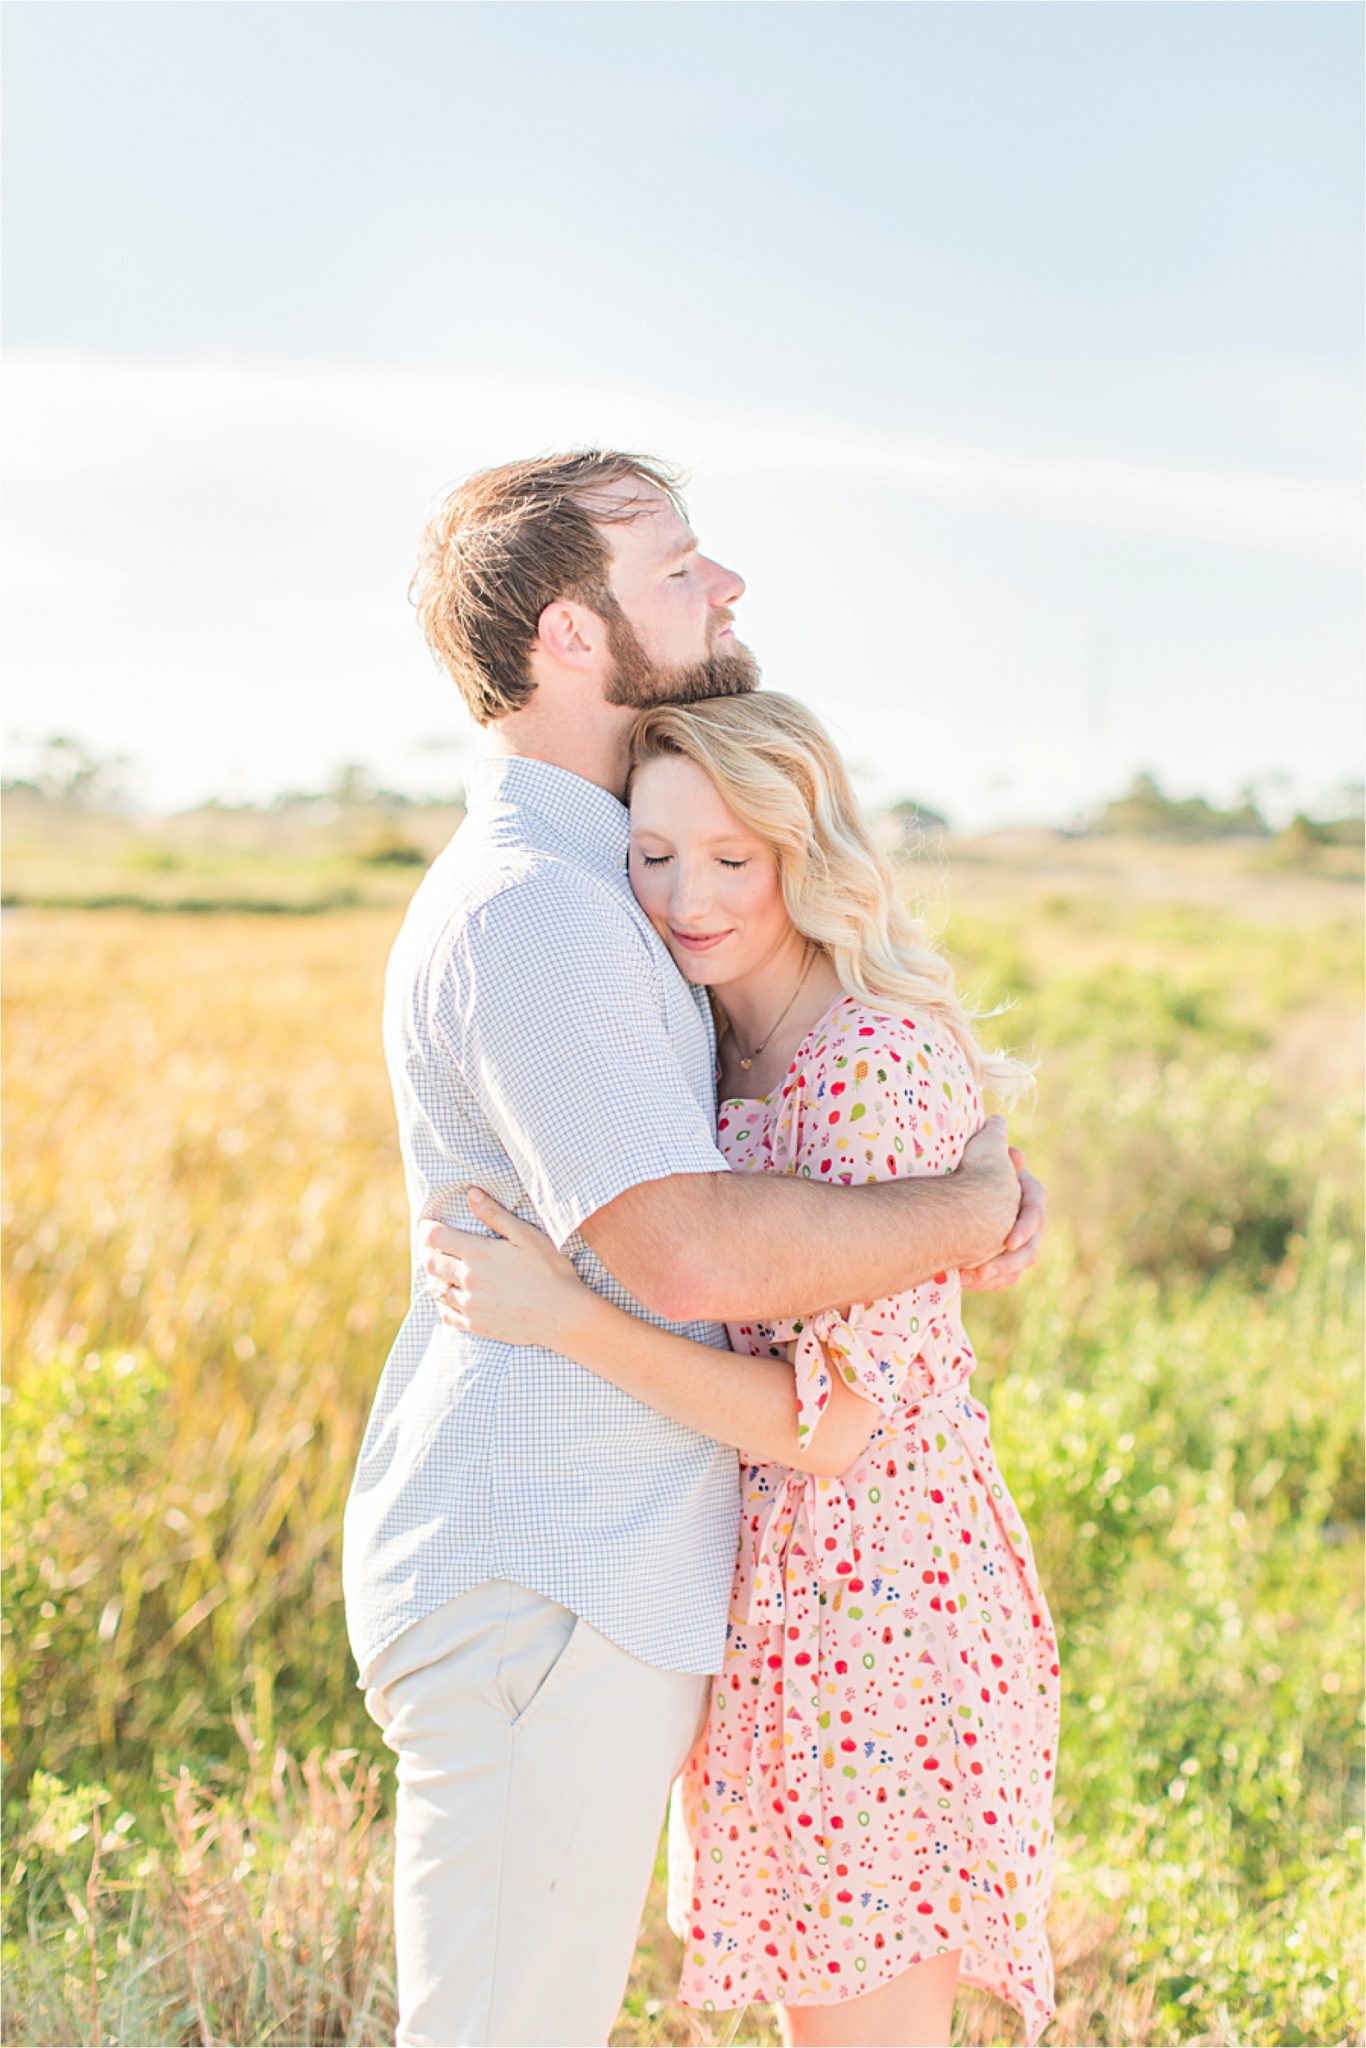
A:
{"x": 541, "y": 1044}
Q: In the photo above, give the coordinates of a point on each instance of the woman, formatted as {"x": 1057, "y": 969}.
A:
{"x": 867, "y": 1815}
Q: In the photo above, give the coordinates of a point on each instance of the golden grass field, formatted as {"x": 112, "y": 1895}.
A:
{"x": 205, "y": 1262}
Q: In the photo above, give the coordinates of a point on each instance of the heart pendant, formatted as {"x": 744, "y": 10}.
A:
{"x": 746, "y": 1064}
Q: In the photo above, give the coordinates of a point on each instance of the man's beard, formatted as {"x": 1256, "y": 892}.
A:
{"x": 640, "y": 682}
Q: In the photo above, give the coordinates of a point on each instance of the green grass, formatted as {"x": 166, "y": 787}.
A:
{"x": 205, "y": 1263}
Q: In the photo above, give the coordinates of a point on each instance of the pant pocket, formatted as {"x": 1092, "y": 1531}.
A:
{"x": 538, "y": 1636}
{"x": 559, "y": 1675}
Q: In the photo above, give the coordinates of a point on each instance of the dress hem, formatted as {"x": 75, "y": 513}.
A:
{"x": 1033, "y": 2031}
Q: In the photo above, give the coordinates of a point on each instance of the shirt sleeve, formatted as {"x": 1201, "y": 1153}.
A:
{"x": 553, "y": 1008}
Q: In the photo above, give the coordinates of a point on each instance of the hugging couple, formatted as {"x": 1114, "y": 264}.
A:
{"x": 674, "y": 1475}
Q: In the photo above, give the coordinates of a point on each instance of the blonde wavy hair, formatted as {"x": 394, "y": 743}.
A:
{"x": 779, "y": 771}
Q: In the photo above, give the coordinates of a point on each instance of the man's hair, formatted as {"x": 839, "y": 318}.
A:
{"x": 506, "y": 543}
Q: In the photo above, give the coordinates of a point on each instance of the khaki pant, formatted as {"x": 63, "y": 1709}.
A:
{"x": 534, "y": 1765}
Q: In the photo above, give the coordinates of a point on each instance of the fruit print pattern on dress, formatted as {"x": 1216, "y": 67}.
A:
{"x": 874, "y": 1783}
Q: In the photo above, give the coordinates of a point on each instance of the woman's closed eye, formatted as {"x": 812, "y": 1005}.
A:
{"x": 657, "y": 860}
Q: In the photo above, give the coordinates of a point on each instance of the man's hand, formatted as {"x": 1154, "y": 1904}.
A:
{"x": 1021, "y": 1247}
{"x": 989, "y": 1179}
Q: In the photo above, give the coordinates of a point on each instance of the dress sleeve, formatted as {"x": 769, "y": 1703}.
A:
{"x": 877, "y": 1098}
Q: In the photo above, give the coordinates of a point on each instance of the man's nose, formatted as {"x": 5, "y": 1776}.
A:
{"x": 728, "y": 586}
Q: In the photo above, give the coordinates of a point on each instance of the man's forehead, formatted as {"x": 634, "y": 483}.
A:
{"x": 645, "y": 517}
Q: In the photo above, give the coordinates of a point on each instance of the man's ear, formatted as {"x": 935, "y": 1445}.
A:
{"x": 570, "y": 633}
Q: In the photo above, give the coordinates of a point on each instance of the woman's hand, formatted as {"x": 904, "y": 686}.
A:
{"x": 515, "y": 1286}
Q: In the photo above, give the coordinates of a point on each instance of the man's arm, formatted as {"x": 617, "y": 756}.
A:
{"x": 732, "y": 1247}
{"x": 584, "y": 1090}
{"x": 728, "y": 1247}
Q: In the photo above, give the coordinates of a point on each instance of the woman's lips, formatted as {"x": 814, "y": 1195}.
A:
{"x": 699, "y": 944}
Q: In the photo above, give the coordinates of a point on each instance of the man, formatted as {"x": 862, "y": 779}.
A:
{"x": 537, "y": 1567}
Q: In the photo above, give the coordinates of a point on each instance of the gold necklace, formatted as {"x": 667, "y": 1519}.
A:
{"x": 746, "y": 1064}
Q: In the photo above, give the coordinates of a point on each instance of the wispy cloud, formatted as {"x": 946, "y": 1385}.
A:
{"x": 206, "y": 565}
{"x": 1112, "y": 491}
{"x": 77, "y": 415}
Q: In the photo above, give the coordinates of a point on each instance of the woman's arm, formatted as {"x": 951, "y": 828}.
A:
{"x": 519, "y": 1289}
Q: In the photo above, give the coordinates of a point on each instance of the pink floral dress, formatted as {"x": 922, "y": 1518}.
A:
{"x": 874, "y": 1783}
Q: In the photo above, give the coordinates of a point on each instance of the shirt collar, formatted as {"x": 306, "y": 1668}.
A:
{"x": 595, "y": 821}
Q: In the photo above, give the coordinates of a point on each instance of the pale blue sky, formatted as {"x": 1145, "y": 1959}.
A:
{"x": 1016, "y": 351}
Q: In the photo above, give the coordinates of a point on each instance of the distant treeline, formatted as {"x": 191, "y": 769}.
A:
{"x": 1145, "y": 809}
{"x": 67, "y": 773}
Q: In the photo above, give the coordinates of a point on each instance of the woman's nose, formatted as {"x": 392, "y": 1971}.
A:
{"x": 691, "y": 898}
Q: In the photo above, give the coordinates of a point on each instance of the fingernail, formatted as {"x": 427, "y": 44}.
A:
{"x": 474, "y": 1196}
